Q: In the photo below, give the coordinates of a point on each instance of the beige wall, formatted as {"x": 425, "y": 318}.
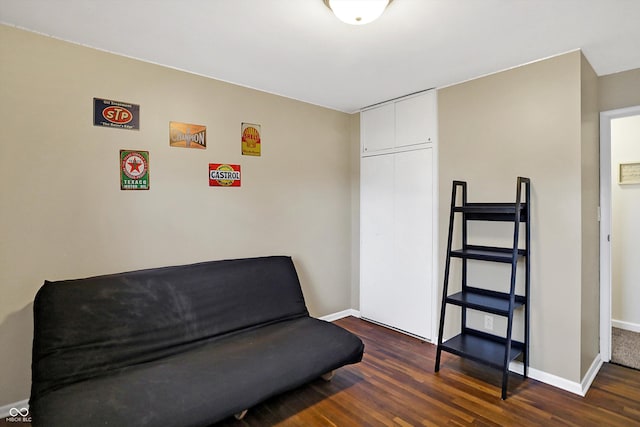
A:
{"x": 527, "y": 121}
{"x": 619, "y": 90}
{"x": 590, "y": 183}
{"x": 355, "y": 211}
{"x": 63, "y": 214}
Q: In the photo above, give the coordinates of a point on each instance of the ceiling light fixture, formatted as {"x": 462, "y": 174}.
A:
{"x": 357, "y": 12}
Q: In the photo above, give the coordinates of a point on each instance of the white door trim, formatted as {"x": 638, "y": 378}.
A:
{"x": 605, "y": 224}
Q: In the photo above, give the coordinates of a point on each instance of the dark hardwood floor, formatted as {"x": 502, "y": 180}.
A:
{"x": 395, "y": 385}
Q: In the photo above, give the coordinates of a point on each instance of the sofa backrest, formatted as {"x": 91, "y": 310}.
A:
{"x": 86, "y": 327}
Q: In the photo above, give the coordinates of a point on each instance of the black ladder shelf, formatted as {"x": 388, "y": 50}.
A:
{"x": 494, "y": 350}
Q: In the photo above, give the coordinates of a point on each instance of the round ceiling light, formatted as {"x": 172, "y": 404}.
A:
{"x": 357, "y": 12}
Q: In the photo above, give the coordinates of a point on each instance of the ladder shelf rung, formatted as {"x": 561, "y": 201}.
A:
{"x": 482, "y": 348}
{"x": 487, "y": 253}
{"x": 483, "y": 300}
{"x": 492, "y": 211}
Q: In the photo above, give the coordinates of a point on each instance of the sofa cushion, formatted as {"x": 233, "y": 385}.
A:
{"x": 208, "y": 383}
{"x": 88, "y": 327}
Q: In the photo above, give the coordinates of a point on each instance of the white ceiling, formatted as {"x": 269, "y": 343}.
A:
{"x": 298, "y": 49}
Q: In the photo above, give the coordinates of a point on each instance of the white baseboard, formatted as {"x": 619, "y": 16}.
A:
{"x": 340, "y": 315}
{"x": 5, "y": 411}
{"x": 591, "y": 374}
{"x": 547, "y": 378}
{"x": 562, "y": 383}
{"x": 627, "y": 326}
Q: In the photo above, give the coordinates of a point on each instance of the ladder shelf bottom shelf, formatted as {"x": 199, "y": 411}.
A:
{"x": 484, "y": 348}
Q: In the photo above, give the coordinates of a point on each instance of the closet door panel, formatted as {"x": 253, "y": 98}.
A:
{"x": 396, "y": 240}
{"x": 413, "y": 236}
{"x": 377, "y": 128}
{"x": 414, "y": 122}
{"x": 376, "y": 237}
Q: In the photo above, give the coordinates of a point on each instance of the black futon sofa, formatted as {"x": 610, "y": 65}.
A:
{"x": 177, "y": 346}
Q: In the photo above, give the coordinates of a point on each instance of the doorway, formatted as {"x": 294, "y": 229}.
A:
{"x": 619, "y": 236}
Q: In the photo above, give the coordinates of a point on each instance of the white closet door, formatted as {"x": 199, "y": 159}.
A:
{"x": 376, "y": 237}
{"x": 396, "y": 240}
{"x": 377, "y": 128}
{"x": 413, "y": 242}
{"x": 412, "y": 124}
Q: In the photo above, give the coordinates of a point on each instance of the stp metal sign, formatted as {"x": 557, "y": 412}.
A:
{"x": 224, "y": 175}
{"x": 116, "y": 114}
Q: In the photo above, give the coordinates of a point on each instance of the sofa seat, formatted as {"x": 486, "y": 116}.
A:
{"x": 203, "y": 383}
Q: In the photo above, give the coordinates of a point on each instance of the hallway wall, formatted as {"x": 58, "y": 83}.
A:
{"x": 625, "y": 242}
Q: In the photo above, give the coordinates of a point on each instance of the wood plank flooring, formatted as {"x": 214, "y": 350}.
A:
{"x": 395, "y": 385}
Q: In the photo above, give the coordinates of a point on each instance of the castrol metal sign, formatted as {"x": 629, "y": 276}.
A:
{"x": 224, "y": 175}
{"x": 116, "y": 114}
